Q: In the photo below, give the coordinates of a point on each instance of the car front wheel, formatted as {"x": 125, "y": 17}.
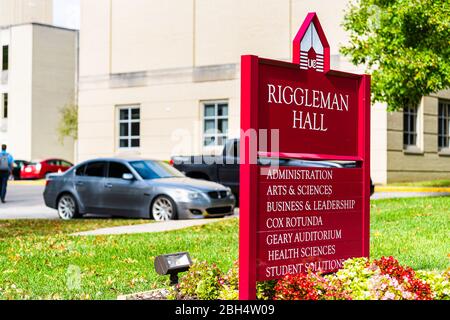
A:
{"x": 67, "y": 207}
{"x": 163, "y": 209}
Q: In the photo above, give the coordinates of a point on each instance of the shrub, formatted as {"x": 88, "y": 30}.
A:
{"x": 403, "y": 279}
{"x": 296, "y": 287}
{"x": 201, "y": 281}
{"x": 359, "y": 279}
{"x": 383, "y": 279}
{"x": 265, "y": 290}
{"x": 230, "y": 286}
{"x": 439, "y": 283}
{"x": 309, "y": 286}
{"x": 229, "y": 283}
{"x": 354, "y": 277}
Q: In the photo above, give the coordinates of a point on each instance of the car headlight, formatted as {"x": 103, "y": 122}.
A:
{"x": 194, "y": 195}
{"x": 186, "y": 195}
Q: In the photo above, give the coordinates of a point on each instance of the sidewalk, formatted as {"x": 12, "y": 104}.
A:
{"x": 27, "y": 182}
{"x": 150, "y": 227}
{"x": 411, "y": 189}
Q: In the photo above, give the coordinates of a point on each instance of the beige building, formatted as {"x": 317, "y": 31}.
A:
{"x": 159, "y": 78}
{"x": 37, "y": 79}
{"x": 26, "y": 11}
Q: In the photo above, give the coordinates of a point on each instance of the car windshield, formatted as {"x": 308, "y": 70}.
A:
{"x": 149, "y": 169}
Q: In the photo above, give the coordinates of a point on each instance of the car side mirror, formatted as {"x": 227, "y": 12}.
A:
{"x": 128, "y": 176}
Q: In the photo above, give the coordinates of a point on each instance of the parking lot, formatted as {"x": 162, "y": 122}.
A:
{"x": 25, "y": 201}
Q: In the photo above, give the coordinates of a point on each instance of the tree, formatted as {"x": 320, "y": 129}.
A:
{"x": 68, "y": 125}
{"x": 405, "y": 45}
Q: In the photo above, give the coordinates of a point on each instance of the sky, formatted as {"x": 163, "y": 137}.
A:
{"x": 66, "y": 13}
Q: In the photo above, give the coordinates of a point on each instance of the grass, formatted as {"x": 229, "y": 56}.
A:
{"x": 416, "y": 231}
{"x": 40, "y": 260}
{"x": 431, "y": 183}
{"x": 46, "y": 266}
{"x": 22, "y": 228}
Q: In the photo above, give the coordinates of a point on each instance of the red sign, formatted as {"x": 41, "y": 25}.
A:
{"x": 296, "y": 218}
{"x": 309, "y": 109}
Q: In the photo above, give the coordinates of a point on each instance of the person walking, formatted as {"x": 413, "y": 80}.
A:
{"x": 6, "y": 167}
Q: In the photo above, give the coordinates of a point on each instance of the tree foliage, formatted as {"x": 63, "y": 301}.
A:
{"x": 405, "y": 45}
{"x": 68, "y": 125}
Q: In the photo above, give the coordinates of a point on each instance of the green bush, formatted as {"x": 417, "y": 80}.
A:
{"x": 201, "y": 281}
{"x": 439, "y": 283}
{"x": 229, "y": 284}
{"x": 359, "y": 279}
{"x": 206, "y": 282}
{"x": 265, "y": 290}
{"x": 354, "y": 276}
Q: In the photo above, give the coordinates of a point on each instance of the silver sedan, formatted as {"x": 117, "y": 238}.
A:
{"x": 135, "y": 188}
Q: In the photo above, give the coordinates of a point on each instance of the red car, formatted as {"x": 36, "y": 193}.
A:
{"x": 41, "y": 169}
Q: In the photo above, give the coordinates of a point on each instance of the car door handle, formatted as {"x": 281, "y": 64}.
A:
{"x": 79, "y": 183}
{"x": 108, "y": 185}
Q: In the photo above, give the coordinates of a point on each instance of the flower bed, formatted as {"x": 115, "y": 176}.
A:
{"x": 359, "y": 279}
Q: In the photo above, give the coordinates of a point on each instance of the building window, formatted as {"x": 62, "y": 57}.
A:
{"x": 5, "y": 60}
{"x": 444, "y": 125}
{"x": 215, "y": 123}
{"x": 129, "y": 127}
{"x": 409, "y": 127}
{"x": 5, "y": 105}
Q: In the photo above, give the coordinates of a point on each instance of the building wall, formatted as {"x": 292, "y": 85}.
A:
{"x": 25, "y": 11}
{"x": 378, "y": 143}
{"x": 170, "y": 111}
{"x": 223, "y": 30}
{"x": 124, "y": 37}
{"x": 41, "y": 80}
{"x": 54, "y": 65}
{"x": 144, "y": 20}
{"x": 168, "y": 57}
{"x": 95, "y": 38}
{"x": 20, "y": 82}
{"x": 4, "y": 41}
{"x": 426, "y": 163}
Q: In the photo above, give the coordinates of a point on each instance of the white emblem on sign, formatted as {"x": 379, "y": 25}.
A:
{"x": 311, "y": 50}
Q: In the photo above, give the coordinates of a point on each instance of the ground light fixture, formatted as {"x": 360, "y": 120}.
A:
{"x": 172, "y": 264}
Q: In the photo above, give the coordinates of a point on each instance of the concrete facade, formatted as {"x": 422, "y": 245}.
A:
{"x": 172, "y": 59}
{"x": 39, "y": 81}
{"x": 25, "y": 11}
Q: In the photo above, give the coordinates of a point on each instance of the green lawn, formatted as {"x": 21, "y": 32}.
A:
{"x": 39, "y": 260}
{"x": 42, "y": 266}
{"x": 430, "y": 183}
{"x": 41, "y": 227}
{"x": 416, "y": 231}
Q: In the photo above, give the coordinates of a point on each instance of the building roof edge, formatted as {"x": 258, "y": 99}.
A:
{"x": 37, "y": 24}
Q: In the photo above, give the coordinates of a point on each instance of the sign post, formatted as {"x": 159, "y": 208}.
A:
{"x": 293, "y": 218}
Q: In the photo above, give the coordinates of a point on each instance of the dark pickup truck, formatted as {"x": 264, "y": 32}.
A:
{"x": 224, "y": 168}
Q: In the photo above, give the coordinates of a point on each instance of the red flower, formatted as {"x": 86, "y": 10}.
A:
{"x": 406, "y": 275}
{"x": 296, "y": 287}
